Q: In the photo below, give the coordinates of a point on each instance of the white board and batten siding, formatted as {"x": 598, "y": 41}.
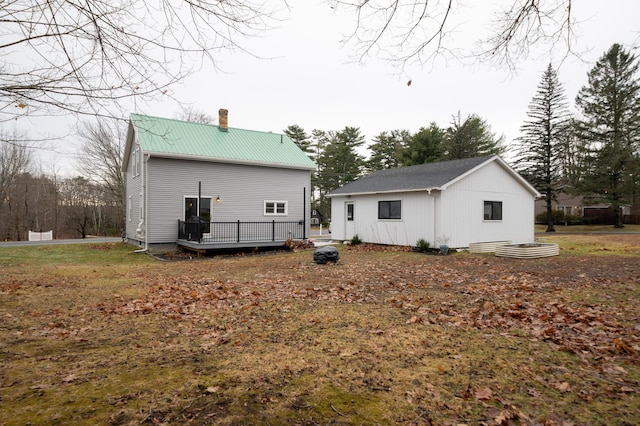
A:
{"x": 462, "y": 209}
{"x": 415, "y": 222}
{"x": 242, "y": 189}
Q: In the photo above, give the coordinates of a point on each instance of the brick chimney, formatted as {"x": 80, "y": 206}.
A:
{"x": 222, "y": 119}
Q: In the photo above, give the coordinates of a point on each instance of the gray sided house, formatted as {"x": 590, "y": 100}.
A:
{"x": 452, "y": 203}
{"x": 206, "y": 186}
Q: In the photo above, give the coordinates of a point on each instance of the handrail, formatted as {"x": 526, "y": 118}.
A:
{"x": 239, "y": 231}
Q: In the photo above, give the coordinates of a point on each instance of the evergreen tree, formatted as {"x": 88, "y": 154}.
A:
{"x": 470, "y": 138}
{"x": 319, "y": 140}
{"x": 299, "y": 136}
{"x": 387, "y": 149}
{"x": 339, "y": 163}
{"x": 544, "y": 137}
{"x": 424, "y": 146}
{"x": 610, "y": 106}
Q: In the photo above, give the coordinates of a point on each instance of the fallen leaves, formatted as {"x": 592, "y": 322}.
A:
{"x": 452, "y": 292}
{"x": 584, "y": 313}
{"x": 562, "y": 387}
{"x": 484, "y": 394}
{"x": 70, "y": 378}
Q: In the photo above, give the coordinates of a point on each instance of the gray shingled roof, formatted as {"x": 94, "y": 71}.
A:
{"x": 412, "y": 178}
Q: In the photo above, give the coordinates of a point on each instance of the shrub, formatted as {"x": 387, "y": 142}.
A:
{"x": 558, "y": 217}
{"x": 422, "y": 245}
{"x": 355, "y": 240}
{"x": 572, "y": 219}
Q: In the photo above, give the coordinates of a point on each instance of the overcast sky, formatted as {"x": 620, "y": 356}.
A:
{"x": 312, "y": 81}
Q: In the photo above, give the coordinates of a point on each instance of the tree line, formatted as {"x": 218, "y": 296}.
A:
{"x": 340, "y": 155}
{"x": 91, "y": 203}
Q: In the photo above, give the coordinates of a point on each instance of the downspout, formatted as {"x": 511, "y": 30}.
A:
{"x": 145, "y": 198}
{"x": 143, "y": 219}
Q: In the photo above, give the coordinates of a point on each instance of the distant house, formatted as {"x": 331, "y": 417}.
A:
{"x": 316, "y": 217}
{"x": 451, "y": 202}
{"x": 566, "y": 203}
{"x": 588, "y": 214}
{"x": 212, "y": 186}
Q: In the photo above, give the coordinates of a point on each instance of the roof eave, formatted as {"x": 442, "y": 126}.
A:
{"x": 394, "y": 191}
{"x": 228, "y": 161}
{"x": 128, "y": 146}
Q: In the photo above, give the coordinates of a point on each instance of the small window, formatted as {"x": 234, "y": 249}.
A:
{"x": 390, "y": 209}
{"x": 275, "y": 208}
{"x": 136, "y": 165}
{"x": 350, "y": 212}
{"x": 493, "y": 210}
{"x": 138, "y": 161}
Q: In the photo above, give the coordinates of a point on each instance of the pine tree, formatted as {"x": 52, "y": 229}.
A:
{"x": 544, "y": 136}
{"x": 424, "y": 146}
{"x": 339, "y": 163}
{"x": 470, "y": 138}
{"x": 319, "y": 140}
{"x": 386, "y": 149}
{"x": 299, "y": 136}
{"x": 610, "y": 106}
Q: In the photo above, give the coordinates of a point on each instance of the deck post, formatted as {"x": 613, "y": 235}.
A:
{"x": 304, "y": 213}
{"x": 273, "y": 230}
{"x": 238, "y": 230}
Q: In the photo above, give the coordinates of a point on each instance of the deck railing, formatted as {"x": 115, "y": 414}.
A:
{"x": 238, "y": 232}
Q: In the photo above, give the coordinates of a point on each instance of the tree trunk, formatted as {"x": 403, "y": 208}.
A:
{"x": 550, "y": 227}
{"x": 617, "y": 217}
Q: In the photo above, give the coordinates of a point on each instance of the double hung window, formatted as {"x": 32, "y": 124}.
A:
{"x": 275, "y": 208}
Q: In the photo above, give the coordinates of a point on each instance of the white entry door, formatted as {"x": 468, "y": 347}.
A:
{"x": 349, "y": 220}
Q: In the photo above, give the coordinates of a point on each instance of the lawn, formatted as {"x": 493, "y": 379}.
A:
{"x": 590, "y": 228}
{"x": 95, "y": 334}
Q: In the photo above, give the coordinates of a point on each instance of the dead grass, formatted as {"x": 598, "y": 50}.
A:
{"x": 103, "y": 336}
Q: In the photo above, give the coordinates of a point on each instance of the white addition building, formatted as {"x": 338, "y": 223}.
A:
{"x": 453, "y": 203}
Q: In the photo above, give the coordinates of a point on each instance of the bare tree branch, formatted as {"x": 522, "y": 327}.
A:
{"x": 420, "y": 31}
{"x": 526, "y": 24}
{"x": 81, "y": 56}
{"x": 102, "y": 150}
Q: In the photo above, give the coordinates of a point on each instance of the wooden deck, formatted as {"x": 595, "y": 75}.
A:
{"x": 204, "y": 246}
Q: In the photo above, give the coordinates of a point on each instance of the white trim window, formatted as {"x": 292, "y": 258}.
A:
{"x": 136, "y": 162}
{"x": 275, "y": 208}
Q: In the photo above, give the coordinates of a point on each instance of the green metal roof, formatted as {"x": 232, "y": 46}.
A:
{"x": 183, "y": 139}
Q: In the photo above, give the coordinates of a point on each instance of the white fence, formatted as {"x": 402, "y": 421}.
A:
{"x": 40, "y": 236}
